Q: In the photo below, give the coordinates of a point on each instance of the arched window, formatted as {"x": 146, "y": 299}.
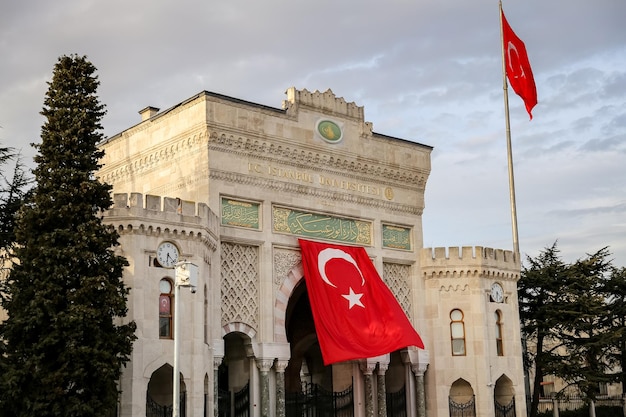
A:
{"x": 457, "y": 332}
{"x": 166, "y": 309}
{"x": 499, "y": 348}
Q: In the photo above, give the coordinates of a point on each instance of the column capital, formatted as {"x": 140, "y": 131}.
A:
{"x": 367, "y": 367}
{"x": 217, "y": 361}
{"x": 382, "y": 368}
{"x": 264, "y": 365}
{"x": 280, "y": 365}
{"x": 419, "y": 369}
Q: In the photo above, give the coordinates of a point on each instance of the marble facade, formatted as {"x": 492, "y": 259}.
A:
{"x": 233, "y": 185}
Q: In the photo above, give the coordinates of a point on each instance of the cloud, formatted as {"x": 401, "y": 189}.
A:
{"x": 427, "y": 71}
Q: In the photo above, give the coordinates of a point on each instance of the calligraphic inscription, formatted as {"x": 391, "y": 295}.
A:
{"x": 322, "y": 226}
{"x": 240, "y": 213}
{"x": 396, "y": 237}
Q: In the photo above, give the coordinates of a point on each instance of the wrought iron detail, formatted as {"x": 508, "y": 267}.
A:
{"x": 223, "y": 403}
{"x": 396, "y": 403}
{"x": 505, "y": 410}
{"x": 467, "y": 409}
{"x": 315, "y": 401}
{"x": 154, "y": 409}
{"x": 242, "y": 402}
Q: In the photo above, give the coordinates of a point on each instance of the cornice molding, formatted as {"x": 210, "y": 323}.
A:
{"x": 329, "y": 161}
{"x": 299, "y": 189}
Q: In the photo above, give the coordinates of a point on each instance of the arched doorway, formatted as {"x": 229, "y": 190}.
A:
{"x": 461, "y": 399}
{"x": 396, "y": 386}
{"x": 504, "y": 397}
{"x": 233, "y": 376}
{"x": 160, "y": 392}
{"x": 311, "y": 388}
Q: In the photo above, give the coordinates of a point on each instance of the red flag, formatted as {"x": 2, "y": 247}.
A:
{"x": 518, "y": 67}
{"x": 356, "y": 316}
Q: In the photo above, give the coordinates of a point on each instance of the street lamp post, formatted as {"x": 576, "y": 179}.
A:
{"x": 186, "y": 275}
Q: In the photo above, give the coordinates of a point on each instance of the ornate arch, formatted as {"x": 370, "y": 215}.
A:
{"x": 294, "y": 276}
{"x": 239, "y": 327}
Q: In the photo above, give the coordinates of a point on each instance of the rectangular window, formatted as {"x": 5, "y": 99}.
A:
{"x": 165, "y": 316}
{"x": 458, "y": 347}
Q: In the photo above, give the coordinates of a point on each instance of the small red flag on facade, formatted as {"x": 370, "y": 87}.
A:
{"x": 356, "y": 315}
{"x": 517, "y": 65}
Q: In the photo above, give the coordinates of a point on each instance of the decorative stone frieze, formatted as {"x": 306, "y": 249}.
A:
{"x": 239, "y": 284}
{"x": 397, "y": 276}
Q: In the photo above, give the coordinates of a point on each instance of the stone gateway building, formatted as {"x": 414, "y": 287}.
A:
{"x": 230, "y": 186}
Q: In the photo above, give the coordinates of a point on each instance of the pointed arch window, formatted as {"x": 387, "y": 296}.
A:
{"x": 166, "y": 309}
{"x": 499, "y": 346}
{"x": 457, "y": 332}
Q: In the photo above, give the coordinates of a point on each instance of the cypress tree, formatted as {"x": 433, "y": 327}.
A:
{"x": 66, "y": 338}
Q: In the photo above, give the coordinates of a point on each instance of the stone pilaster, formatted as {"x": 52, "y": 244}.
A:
{"x": 217, "y": 361}
{"x": 368, "y": 370}
{"x": 264, "y": 366}
{"x": 382, "y": 389}
{"x": 280, "y": 387}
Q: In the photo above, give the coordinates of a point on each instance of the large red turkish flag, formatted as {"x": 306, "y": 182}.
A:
{"x": 356, "y": 316}
{"x": 517, "y": 65}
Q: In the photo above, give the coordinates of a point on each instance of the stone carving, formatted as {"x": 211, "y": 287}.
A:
{"x": 145, "y": 163}
{"x": 239, "y": 286}
{"x": 330, "y": 162}
{"x": 284, "y": 261}
{"x": 396, "y": 276}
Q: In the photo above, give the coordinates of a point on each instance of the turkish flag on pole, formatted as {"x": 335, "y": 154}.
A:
{"x": 356, "y": 316}
{"x": 518, "y": 67}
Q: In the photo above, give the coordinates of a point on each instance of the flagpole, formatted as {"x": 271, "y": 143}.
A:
{"x": 508, "y": 143}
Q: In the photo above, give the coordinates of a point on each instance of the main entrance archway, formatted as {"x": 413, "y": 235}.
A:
{"x": 311, "y": 387}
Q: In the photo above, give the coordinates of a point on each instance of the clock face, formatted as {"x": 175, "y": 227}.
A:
{"x": 167, "y": 254}
{"x": 497, "y": 293}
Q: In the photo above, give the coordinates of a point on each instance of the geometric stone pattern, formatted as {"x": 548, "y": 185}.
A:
{"x": 396, "y": 276}
{"x": 239, "y": 288}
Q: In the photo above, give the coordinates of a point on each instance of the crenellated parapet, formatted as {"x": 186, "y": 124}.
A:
{"x": 168, "y": 217}
{"x": 326, "y": 101}
{"x": 469, "y": 262}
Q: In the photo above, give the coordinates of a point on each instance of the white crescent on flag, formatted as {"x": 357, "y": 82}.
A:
{"x": 330, "y": 253}
{"x": 516, "y": 73}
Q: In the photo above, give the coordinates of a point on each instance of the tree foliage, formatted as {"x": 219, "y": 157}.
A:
{"x": 570, "y": 320}
{"x": 539, "y": 291}
{"x": 64, "y": 340}
{"x": 615, "y": 288}
{"x": 13, "y": 191}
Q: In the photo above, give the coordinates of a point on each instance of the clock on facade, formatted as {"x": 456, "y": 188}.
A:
{"x": 497, "y": 293}
{"x": 167, "y": 254}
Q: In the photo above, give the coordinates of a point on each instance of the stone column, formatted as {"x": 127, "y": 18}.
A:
{"x": 555, "y": 407}
{"x": 217, "y": 361}
{"x": 264, "y": 366}
{"x": 419, "y": 370}
{"x": 368, "y": 370}
{"x": 280, "y": 387}
{"x": 382, "y": 390}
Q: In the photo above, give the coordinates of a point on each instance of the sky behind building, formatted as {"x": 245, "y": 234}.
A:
{"x": 429, "y": 71}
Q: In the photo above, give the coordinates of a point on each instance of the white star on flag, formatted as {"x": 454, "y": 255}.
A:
{"x": 354, "y": 299}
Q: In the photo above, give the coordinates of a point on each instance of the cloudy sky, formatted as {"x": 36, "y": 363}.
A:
{"x": 425, "y": 70}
